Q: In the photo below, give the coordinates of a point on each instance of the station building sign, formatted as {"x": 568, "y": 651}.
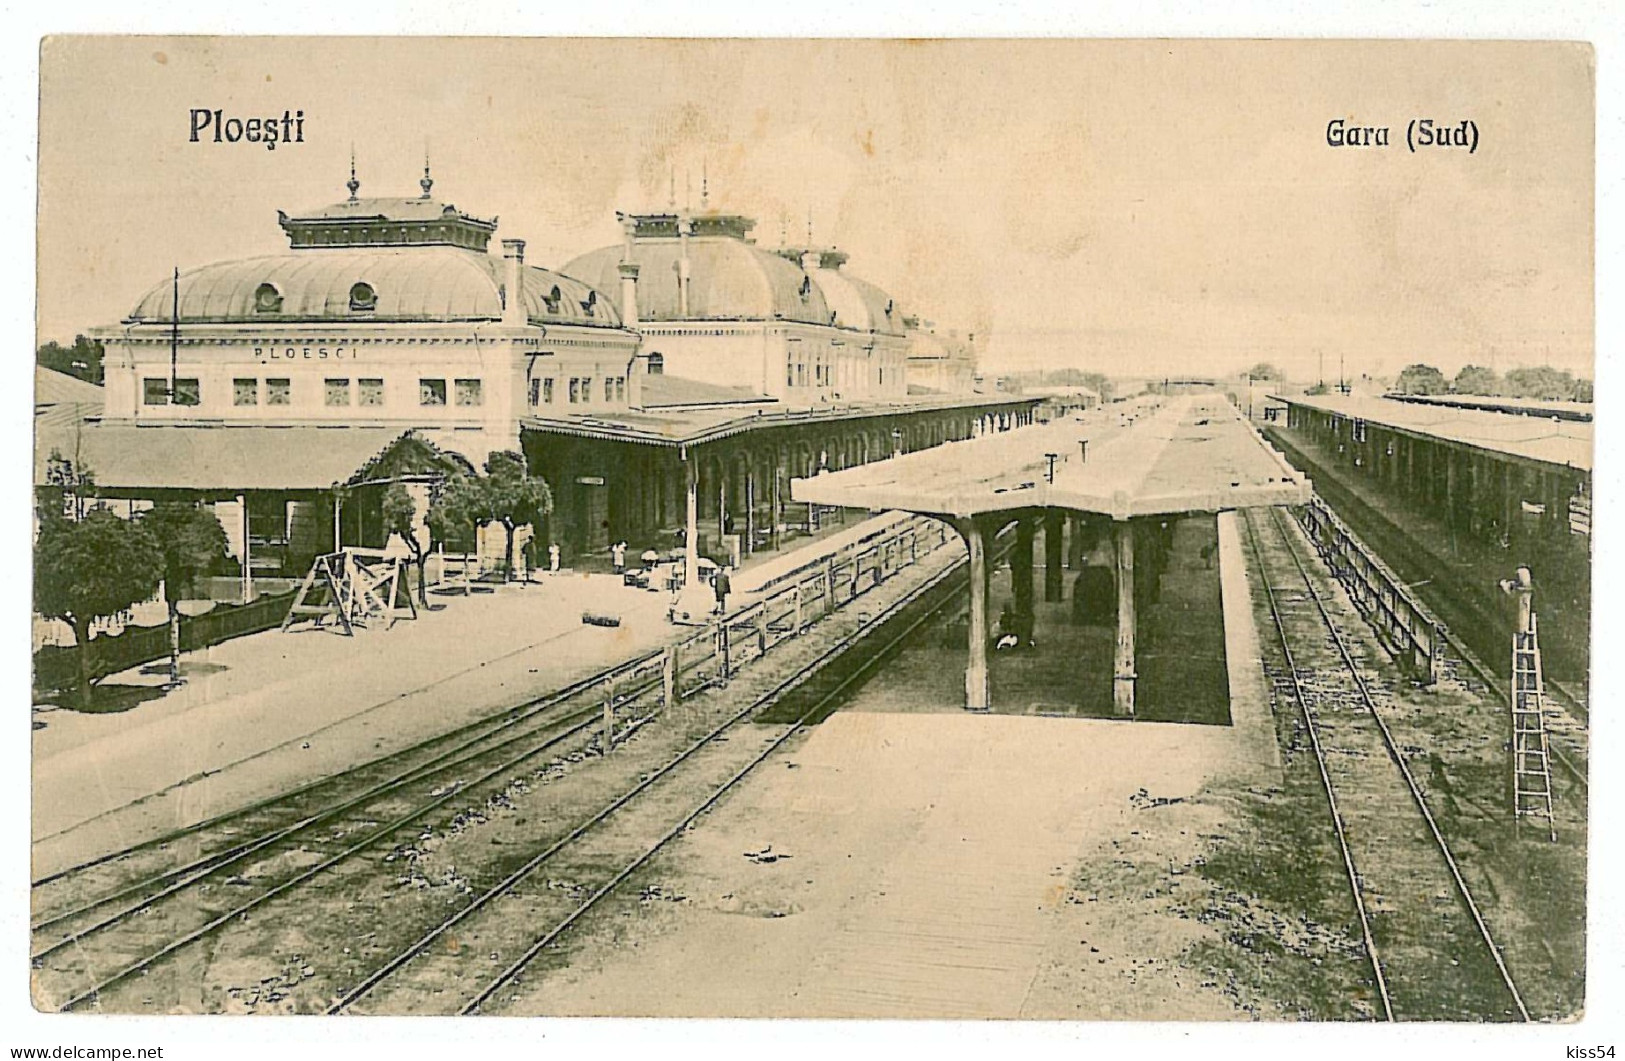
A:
{"x": 304, "y": 353}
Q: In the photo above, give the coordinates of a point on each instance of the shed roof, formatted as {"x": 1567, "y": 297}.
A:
{"x": 216, "y": 457}
{"x": 1563, "y": 442}
{"x": 1190, "y": 453}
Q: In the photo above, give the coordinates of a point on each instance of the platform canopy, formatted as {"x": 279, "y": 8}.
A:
{"x": 1144, "y": 457}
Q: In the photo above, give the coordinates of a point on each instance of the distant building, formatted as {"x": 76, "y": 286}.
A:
{"x": 940, "y": 362}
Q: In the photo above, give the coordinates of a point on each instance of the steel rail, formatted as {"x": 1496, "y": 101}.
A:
{"x": 588, "y": 719}
{"x": 1398, "y": 759}
{"x": 503, "y": 887}
{"x": 489, "y": 726}
{"x": 496, "y": 723}
{"x": 1500, "y": 687}
{"x": 515, "y": 968}
{"x": 1338, "y": 826}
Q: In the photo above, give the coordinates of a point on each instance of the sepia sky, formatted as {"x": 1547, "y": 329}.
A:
{"x": 1131, "y": 207}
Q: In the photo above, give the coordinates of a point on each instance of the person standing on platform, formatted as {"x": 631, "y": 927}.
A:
{"x": 721, "y": 587}
{"x": 553, "y": 558}
{"x": 617, "y": 556}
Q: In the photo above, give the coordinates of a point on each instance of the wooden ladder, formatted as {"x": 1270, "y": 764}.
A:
{"x": 1531, "y": 759}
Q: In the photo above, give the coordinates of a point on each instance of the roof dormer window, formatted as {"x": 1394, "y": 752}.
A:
{"x": 553, "y": 298}
{"x": 267, "y": 299}
{"x": 363, "y": 299}
{"x": 589, "y": 305}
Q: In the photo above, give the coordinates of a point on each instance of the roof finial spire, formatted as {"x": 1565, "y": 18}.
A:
{"x": 705, "y": 184}
{"x": 688, "y": 190}
{"x": 352, "y": 184}
{"x": 427, "y": 183}
{"x": 671, "y": 199}
{"x": 809, "y": 225}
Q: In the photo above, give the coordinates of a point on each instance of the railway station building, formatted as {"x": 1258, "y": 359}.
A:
{"x": 677, "y": 380}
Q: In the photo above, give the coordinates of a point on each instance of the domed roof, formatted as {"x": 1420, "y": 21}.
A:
{"x": 729, "y": 279}
{"x": 417, "y": 283}
{"x": 857, "y": 303}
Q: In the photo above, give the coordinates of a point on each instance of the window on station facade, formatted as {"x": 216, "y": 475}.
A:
{"x": 337, "y": 391}
{"x": 267, "y": 299}
{"x": 609, "y": 389}
{"x": 245, "y": 392}
{"x": 620, "y": 388}
{"x": 431, "y": 392}
{"x": 154, "y": 391}
{"x": 470, "y": 392}
{"x": 1358, "y": 430}
{"x": 363, "y": 299}
{"x": 370, "y": 392}
{"x": 278, "y": 392}
{"x": 547, "y": 391}
{"x": 187, "y": 392}
{"x": 535, "y": 392}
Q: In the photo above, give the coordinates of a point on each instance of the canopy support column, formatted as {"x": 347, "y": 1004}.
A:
{"x": 976, "y": 543}
{"x": 1054, "y": 520}
{"x": 691, "y": 519}
{"x": 1123, "y": 674}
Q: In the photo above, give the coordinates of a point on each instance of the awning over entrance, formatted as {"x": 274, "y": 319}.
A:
{"x": 215, "y": 457}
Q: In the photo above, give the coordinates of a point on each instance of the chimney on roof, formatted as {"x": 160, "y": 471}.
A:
{"x": 513, "y": 302}
{"x": 629, "y": 277}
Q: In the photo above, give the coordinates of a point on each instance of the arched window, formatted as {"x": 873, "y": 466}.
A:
{"x": 267, "y": 299}
{"x": 657, "y": 364}
{"x": 363, "y": 299}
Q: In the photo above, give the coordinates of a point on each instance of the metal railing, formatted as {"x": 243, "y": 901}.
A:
{"x": 712, "y": 654}
{"x": 1412, "y": 634}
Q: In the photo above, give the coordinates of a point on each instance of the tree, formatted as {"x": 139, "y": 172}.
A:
{"x": 1476, "y": 379}
{"x": 1542, "y": 381}
{"x": 1265, "y": 371}
{"x": 1421, "y": 379}
{"x": 514, "y": 497}
{"x": 400, "y": 512}
{"x": 190, "y": 541}
{"x": 83, "y": 359}
{"x": 507, "y": 494}
{"x": 90, "y": 569}
{"x": 64, "y": 480}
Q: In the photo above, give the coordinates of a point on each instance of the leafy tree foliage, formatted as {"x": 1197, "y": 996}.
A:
{"x": 67, "y": 485}
{"x": 506, "y": 494}
{"x": 400, "y": 513}
{"x": 1476, "y": 379}
{"x": 1421, "y": 379}
{"x": 83, "y": 359}
{"x": 1542, "y": 382}
{"x": 515, "y": 497}
{"x": 190, "y": 542}
{"x": 90, "y": 569}
{"x": 1265, "y": 370}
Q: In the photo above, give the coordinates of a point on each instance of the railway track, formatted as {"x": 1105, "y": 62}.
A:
{"x": 517, "y": 918}
{"x": 120, "y": 917}
{"x": 96, "y": 937}
{"x": 1431, "y": 953}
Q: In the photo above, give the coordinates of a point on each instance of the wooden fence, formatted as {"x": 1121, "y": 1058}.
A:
{"x": 57, "y": 667}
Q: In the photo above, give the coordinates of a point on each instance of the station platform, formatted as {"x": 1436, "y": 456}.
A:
{"x": 262, "y": 714}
